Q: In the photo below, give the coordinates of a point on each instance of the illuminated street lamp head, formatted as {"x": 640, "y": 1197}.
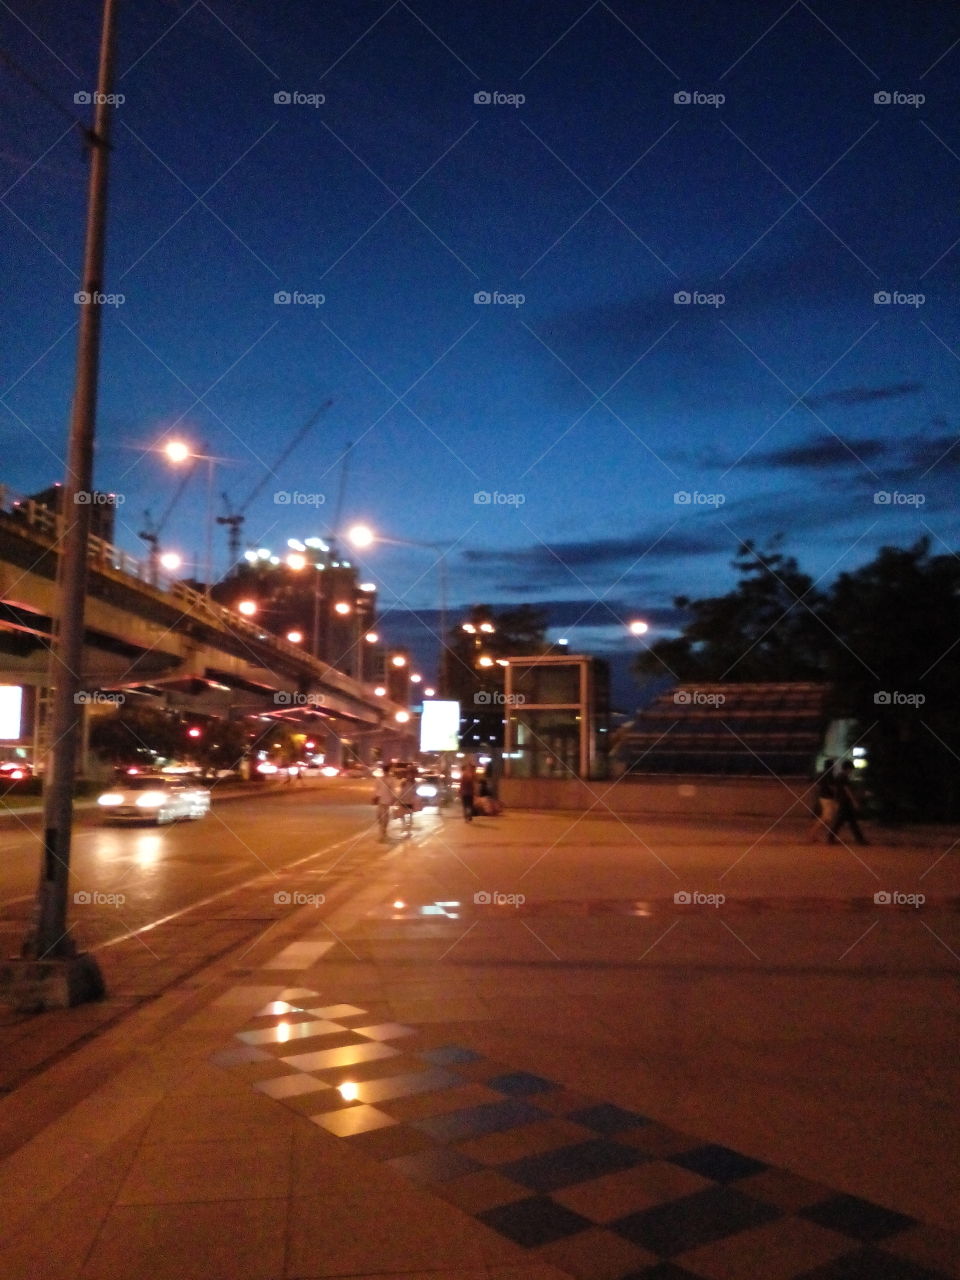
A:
{"x": 371, "y": 637}
{"x": 415, "y": 678}
{"x": 367, "y": 586}
{"x": 398, "y": 660}
{"x": 295, "y": 637}
{"x": 639, "y": 628}
{"x": 170, "y": 560}
{"x": 487, "y": 627}
{"x": 296, "y": 560}
{"x": 247, "y": 607}
{"x": 485, "y": 661}
{"x": 469, "y": 628}
{"x": 177, "y": 451}
{"x": 429, "y": 693}
{"x": 402, "y": 717}
{"x": 361, "y": 535}
{"x": 380, "y": 691}
{"x": 342, "y": 608}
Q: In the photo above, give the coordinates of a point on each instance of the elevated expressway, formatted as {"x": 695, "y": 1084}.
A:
{"x": 160, "y": 639}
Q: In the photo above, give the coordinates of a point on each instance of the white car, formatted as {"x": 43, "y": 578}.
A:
{"x": 149, "y": 799}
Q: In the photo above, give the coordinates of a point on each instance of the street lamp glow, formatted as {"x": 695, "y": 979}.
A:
{"x": 367, "y": 586}
{"x": 296, "y": 560}
{"x": 177, "y": 451}
{"x": 247, "y": 607}
{"x": 469, "y": 627}
{"x": 398, "y": 660}
{"x": 429, "y": 693}
{"x": 639, "y": 628}
{"x": 402, "y": 717}
{"x": 296, "y": 545}
{"x": 415, "y": 678}
{"x": 295, "y": 637}
{"x": 371, "y": 637}
{"x": 485, "y": 661}
{"x": 361, "y": 535}
{"x": 380, "y": 691}
{"x": 170, "y": 560}
{"x": 342, "y": 608}
{"x": 487, "y": 626}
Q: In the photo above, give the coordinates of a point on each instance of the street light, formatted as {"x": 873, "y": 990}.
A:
{"x": 362, "y": 536}
{"x": 178, "y": 451}
{"x": 638, "y": 627}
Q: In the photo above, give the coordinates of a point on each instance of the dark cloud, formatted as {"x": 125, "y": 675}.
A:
{"x": 826, "y": 452}
{"x": 597, "y": 551}
{"x": 863, "y": 395}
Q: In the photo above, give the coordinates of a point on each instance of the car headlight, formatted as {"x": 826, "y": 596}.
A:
{"x": 110, "y": 797}
{"x": 426, "y": 791}
{"x": 151, "y": 800}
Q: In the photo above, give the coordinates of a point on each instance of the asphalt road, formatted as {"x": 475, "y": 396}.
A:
{"x": 136, "y": 875}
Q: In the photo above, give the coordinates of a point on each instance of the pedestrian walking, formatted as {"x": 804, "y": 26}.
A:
{"x": 409, "y": 802}
{"x": 825, "y": 803}
{"x": 467, "y": 785}
{"x": 385, "y": 797}
{"x": 848, "y": 806}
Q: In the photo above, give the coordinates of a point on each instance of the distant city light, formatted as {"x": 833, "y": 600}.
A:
{"x": 247, "y": 607}
{"x": 296, "y": 545}
{"x": 368, "y": 586}
{"x": 296, "y": 560}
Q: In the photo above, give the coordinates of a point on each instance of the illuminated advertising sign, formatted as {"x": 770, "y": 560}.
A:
{"x": 440, "y": 726}
{"x": 11, "y": 712}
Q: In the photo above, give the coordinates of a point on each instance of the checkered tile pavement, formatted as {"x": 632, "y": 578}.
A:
{"x": 601, "y": 1192}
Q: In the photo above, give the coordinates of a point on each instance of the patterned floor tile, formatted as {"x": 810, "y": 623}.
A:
{"x": 785, "y": 1190}
{"x": 385, "y": 1031}
{"x": 520, "y": 1083}
{"x": 391, "y": 1142}
{"x": 608, "y": 1119}
{"x": 329, "y": 1059}
{"x": 524, "y": 1140}
{"x": 928, "y": 1246}
{"x": 719, "y": 1163}
{"x": 486, "y": 1189}
{"x": 450, "y": 1055}
{"x": 777, "y": 1251}
{"x": 455, "y": 1098}
{"x": 435, "y": 1164}
{"x": 567, "y": 1165}
{"x": 857, "y": 1218}
{"x": 290, "y": 1086}
{"x": 286, "y": 1031}
{"x": 534, "y": 1221}
{"x": 616, "y": 1195}
{"x": 352, "y": 1120}
{"x": 594, "y": 1254}
{"x": 657, "y": 1140}
{"x": 457, "y": 1126}
{"x": 871, "y": 1264}
{"x": 680, "y": 1225}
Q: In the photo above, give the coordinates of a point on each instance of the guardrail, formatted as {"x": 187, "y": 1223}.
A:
{"x": 103, "y": 556}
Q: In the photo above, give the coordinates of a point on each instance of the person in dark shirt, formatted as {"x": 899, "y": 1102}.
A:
{"x": 847, "y": 806}
{"x": 825, "y": 803}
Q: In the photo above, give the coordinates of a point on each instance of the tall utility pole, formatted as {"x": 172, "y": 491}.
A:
{"x": 50, "y": 939}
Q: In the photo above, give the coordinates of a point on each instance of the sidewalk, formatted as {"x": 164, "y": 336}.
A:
{"x": 425, "y": 1077}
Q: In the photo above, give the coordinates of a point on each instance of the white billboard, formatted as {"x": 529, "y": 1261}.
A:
{"x": 11, "y": 712}
{"x": 440, "y": 726}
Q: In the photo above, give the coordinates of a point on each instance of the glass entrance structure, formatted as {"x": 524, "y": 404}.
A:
{"x": 556, "y": 722}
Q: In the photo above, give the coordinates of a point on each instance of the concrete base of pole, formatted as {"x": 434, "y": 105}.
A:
{"x": 33, "y": 986}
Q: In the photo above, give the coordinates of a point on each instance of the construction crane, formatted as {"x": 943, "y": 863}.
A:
{"x": 153, "y": 528}
{"x": 235, "y": 516}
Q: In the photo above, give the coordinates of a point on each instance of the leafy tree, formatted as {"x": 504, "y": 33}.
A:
{"x": 897, "y": 621}
{"x": 770, "y": 627}
{"x": 886, "y": 639}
